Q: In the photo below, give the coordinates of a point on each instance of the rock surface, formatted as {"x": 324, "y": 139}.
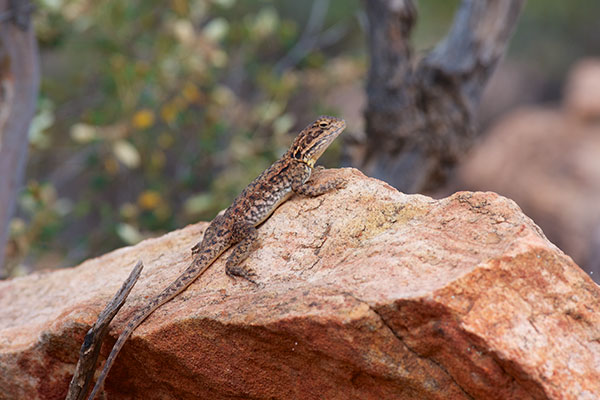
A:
{"x": 366, "y": 293}
{"x": 548, "y": 161}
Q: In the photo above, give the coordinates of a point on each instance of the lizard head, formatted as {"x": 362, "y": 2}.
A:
{"x": 315, "y": 138}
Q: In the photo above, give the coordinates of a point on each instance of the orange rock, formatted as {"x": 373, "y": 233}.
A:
{"x": 548, "y": 161}
{"x": 367, "y": 293}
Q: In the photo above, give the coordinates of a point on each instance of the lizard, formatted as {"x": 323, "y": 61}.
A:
{"x": 236, "y": 226}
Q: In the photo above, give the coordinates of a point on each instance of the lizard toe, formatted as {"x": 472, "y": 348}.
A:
{"x": 240, "y": 272}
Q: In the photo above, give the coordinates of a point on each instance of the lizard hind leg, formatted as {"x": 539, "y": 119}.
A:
{"x": 214, "y": 233}
{"x": 248, "y": 241}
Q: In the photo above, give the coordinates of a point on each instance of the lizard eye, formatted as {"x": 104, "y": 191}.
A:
{"x": 323, "y": 124}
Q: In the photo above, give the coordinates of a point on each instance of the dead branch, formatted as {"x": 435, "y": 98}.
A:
{"x": 420, "y": 116}
{"x": 92, "y": 343}
{"x": 19, "y": 83}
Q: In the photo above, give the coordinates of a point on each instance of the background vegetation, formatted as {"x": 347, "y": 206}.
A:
{"x": 155, "y": 114}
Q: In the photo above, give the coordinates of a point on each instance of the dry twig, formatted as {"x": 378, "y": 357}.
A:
{"x": 90, "y": 349}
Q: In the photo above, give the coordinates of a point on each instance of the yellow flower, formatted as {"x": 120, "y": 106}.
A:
{"x": 111, "y": 166}
{"x": 149, "y": 199}
{"x": 143, "y": 119}
{"x": 168, "y": 112}
{"x": 190, "y": 92}
{"x": 181, "y": 7}
{"x": 128, "y": 211}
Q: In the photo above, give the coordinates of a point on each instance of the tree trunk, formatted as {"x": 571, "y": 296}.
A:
{"x": 19, "y": 83}
{"x": 420, "y": 116}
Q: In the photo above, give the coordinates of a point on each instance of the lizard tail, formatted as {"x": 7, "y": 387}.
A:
{"x": 196, "y": 269}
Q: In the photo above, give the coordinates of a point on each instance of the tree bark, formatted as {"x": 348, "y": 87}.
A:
{"x": 19, "y": 83}
{"x": 420, "y": 116}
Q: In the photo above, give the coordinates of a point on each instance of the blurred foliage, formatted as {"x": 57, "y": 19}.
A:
{"x": 155, "y": 114}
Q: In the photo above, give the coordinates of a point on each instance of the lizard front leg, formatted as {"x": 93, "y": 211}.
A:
{"x": 310, "y": 190}
{"x": 248, "y": 241}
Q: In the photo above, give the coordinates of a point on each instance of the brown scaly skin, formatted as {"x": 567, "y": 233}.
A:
{"x": 237, "y": 225}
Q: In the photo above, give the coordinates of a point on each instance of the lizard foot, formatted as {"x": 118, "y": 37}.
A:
{"x": 240, "y": 272}
{"x": 339, "y": 183}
